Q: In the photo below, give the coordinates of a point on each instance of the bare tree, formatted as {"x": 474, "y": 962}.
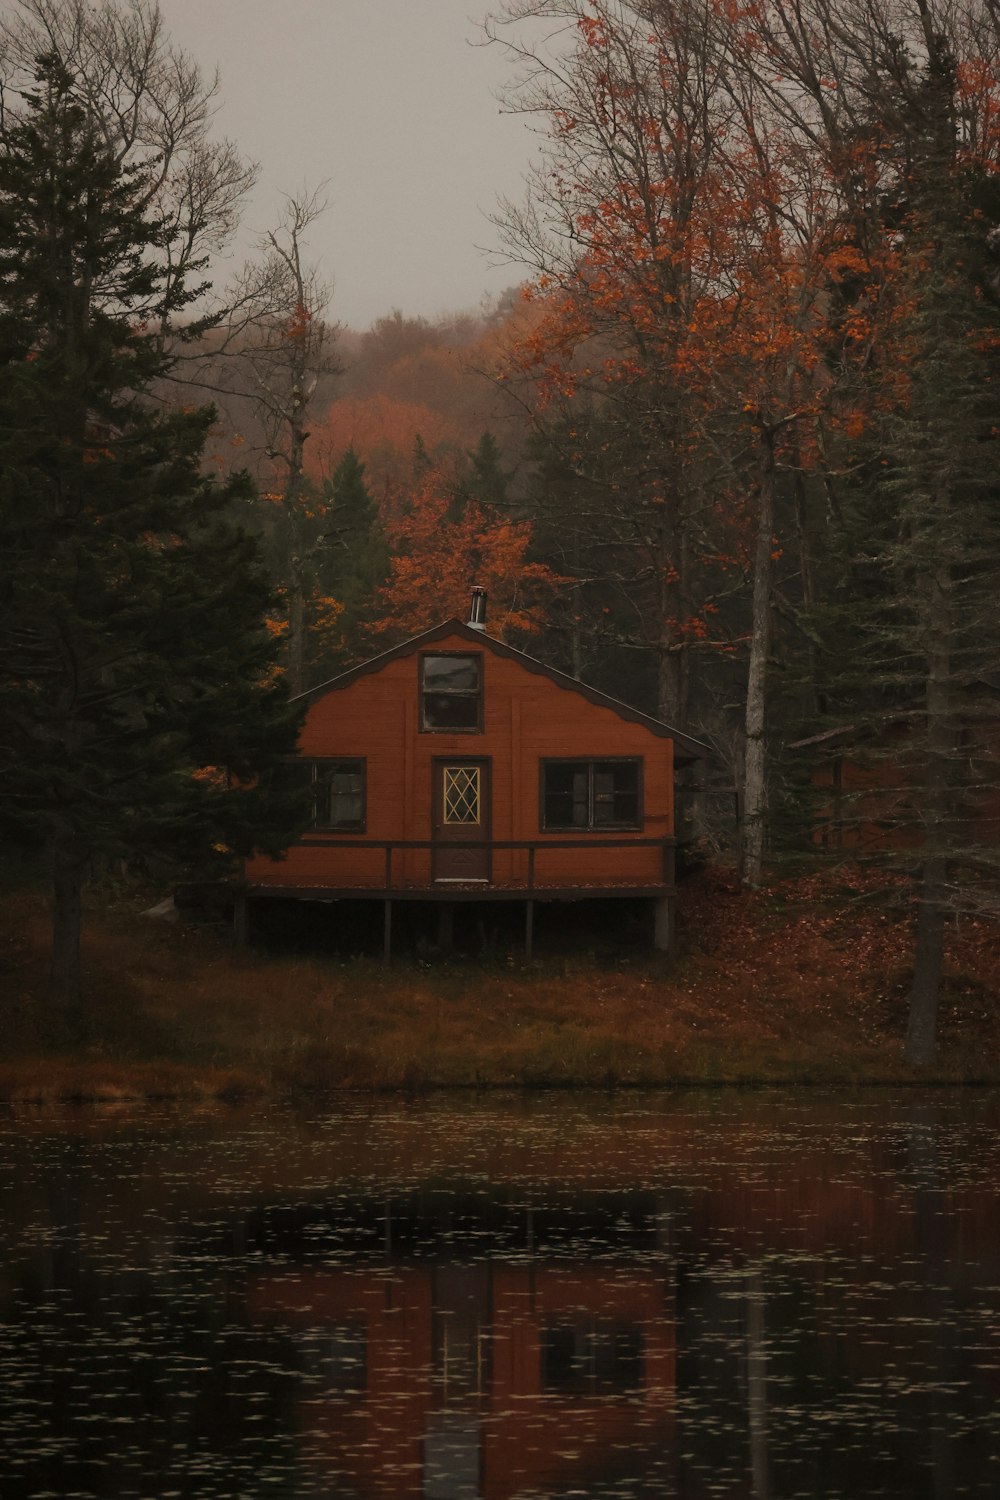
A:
{"x": 155, "y": 107}
{"x": 672, "y": 224}
{"x": 279, "y": 331}
{"x": 627, "y": 96}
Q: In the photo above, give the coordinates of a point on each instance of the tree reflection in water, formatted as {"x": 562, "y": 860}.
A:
{"x": 764, "y": 1296}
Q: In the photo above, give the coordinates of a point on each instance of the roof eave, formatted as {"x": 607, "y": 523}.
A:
{"x": 690, "y": 749}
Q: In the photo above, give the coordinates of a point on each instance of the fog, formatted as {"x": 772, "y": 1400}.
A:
{"x": 392, "y": 104}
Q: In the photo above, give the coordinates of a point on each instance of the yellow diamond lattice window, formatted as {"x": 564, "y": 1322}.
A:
{"x": 461, "y": 794}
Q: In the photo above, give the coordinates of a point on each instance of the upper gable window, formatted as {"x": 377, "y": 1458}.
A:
{"x": 451, "y": 693}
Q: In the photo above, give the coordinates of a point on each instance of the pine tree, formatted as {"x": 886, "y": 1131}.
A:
{"x": 910, "y": 632}
{"x": 421, "y": 462}
{"x": 352, "y": 559}
{"x": 482, "y": 479}
{"x": 139, "y": 702}
{"x": 940, "y": 634}
{"x": 488, "y": 482}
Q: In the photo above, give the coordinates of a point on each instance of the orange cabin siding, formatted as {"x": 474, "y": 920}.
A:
{"x": 527, "y": 717}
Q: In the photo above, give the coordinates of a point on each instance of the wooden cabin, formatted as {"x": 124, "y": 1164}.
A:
{"x": 456, "y": 768}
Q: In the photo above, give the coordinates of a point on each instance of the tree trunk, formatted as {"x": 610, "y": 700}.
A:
{"x": 755, "y": 770}
{"x": 935, "y": 591}
{"x": 808, "y": 591}
{"x": 576, "y": 596}
{"x": 296, "y": 629}
{"x": 684, "y": 661}
{"x": 669, "y": 706}
{"x": 69, "y": 870}
{"x": 921, "y": 1032}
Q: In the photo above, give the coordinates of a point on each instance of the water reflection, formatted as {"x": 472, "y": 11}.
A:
{"x": 456, "y": 1381}
{"x": 765, "y": 1297}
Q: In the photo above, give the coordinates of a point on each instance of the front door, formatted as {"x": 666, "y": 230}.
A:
{"x": 461, "y": 819}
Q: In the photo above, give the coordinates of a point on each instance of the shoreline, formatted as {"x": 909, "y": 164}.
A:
{"x": 65, "y": 1093}
{"x": 801, "y": 985}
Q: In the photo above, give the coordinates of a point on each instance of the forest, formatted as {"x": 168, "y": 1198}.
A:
{"x": 727, "y": 449}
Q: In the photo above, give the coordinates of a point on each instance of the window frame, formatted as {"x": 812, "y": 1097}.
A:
{"x": 591, "y": 761}
{"x": 478, "y": 694}
{"x": 358, "y": 765}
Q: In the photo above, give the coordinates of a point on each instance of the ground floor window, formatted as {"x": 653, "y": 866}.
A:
{"x": 591, "y": 794}
{"x": 336, "y": 789}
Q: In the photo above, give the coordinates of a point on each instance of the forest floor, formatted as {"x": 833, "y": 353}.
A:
{"x": 802, "y": 982}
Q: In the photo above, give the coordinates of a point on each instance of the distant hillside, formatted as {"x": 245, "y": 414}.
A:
{"x": 401, "y": 380}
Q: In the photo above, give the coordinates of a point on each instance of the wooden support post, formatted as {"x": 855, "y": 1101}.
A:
{"x": 387, "y": 931}
{"x": 529, "y": 928}
{"x": 669, "y": 861}
{"x": 241, "y": 920}
{"x": 446, "y": 926}
{"x": 663, "y": 923}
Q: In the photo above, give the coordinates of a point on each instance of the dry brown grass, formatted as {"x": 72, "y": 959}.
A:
{"x": 789, "y": 985}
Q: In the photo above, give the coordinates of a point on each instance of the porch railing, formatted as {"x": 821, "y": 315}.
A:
{"x": 390, "y": 847}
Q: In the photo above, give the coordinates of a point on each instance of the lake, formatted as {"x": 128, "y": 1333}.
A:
{"x": 687, "y": 1294}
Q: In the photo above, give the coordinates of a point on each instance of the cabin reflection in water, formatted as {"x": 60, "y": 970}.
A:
{"x": 450, "y": 1382}
{"x": 759, "y": 1299}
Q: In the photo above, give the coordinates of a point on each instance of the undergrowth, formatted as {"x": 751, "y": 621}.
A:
{"x": 795, "y": 983}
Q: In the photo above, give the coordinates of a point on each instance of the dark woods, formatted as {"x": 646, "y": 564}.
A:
{"x": 140, "y": 693}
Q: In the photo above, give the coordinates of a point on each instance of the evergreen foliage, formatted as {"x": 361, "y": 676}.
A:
{"x": 483, "y": 479}
{"x": 353, "y": 561}
{"x": 139, "y": 700}
{"x": 908, "y": 749}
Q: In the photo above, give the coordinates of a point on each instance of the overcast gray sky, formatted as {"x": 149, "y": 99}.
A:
{"x": 388, "y": 102}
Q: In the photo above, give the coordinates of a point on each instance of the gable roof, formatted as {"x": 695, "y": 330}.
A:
{"x": 690, "y": 749}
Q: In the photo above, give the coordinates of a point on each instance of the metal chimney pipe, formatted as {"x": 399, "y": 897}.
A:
{"x": 477, "y": 610}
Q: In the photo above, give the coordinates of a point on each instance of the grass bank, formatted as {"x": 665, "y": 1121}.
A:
{"x": 802, "y": 982}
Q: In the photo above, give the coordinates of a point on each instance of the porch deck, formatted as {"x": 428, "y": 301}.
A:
{"x": 391, "y": 887}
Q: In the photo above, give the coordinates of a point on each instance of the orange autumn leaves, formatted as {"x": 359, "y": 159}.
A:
{"x": 440, "y": 546}
{"x": 707, "y": 290}
{"x": 706, "y": 237}
{"x": 722, "y": 303}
